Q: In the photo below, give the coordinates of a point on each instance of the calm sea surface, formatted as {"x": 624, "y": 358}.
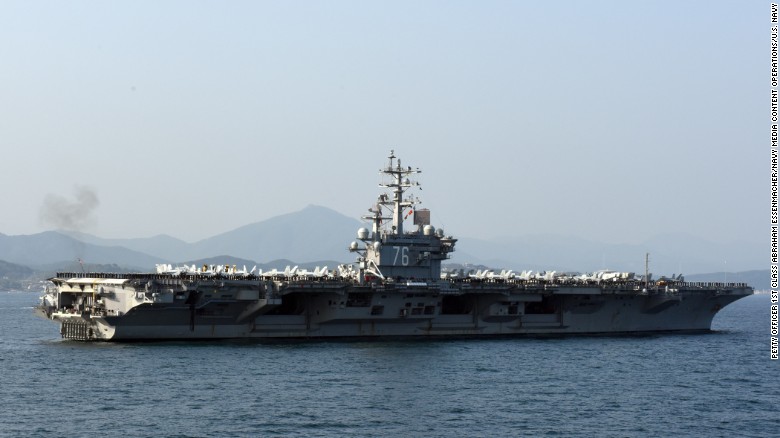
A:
{"x": 720, "y": 384}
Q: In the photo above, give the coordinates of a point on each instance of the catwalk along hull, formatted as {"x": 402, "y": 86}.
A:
{"x": 397, "y": 288}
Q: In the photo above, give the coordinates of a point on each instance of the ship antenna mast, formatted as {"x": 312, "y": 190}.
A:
{"x": 399, "y": 184}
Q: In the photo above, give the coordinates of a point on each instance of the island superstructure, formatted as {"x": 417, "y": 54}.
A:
{"x": 395, "y": 289}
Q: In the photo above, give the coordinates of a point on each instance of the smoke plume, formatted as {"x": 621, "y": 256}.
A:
{"x": 73, "y": 215}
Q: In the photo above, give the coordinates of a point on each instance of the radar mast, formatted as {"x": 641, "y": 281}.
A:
{"x": 399, "y": 184}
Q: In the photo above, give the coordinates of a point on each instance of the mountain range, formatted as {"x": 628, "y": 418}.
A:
{"x": 314, "y": 233}
{"x": 318, "y": 233}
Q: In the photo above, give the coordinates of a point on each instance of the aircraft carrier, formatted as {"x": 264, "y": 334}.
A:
{"x": 395, "y": 289}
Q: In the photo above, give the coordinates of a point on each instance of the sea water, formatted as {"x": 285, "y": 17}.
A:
{"x": 717, "y": 384}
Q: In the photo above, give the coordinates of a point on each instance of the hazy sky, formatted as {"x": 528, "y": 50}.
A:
{"x": 608, "y": 120}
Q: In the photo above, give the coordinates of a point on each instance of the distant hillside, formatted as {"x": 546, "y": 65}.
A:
{"x": 53, "y": 247}
{"x": 162, "y": 246}
{"x": 12, "y": 276}
{"x": 314, "y": 233}
{"x": 13, "y": 271}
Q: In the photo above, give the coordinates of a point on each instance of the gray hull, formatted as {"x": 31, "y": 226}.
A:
{"x": 296, "y": 312}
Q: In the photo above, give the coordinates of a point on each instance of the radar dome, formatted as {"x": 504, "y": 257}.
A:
{"x": 377, "y": 245}
{"x": 428, "y": 230}
{"x": 439, "y": 233}
{"x": 353, "y": 246}
{"x": 362, "y": 234}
